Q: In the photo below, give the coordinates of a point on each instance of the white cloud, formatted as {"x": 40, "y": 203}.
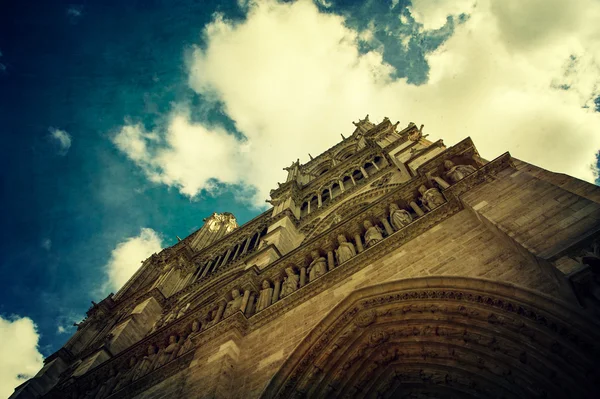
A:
{"x": 292, "y": 79}
{"x": 20, "y": 358}
{"x": 63, "y": 139}
{"x": 432, "y": 14}
{"x": 126, "y": 258}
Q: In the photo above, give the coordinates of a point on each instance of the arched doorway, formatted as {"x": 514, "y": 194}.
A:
{"x": 445, "y": 337}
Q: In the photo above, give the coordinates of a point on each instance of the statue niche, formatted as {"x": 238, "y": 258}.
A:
{"x": 146, "y": 364}
{"x": 373, "y": 234}
{"x": 188, "y": 344}
{"x": 317, "y": 267}
{"x": 399, "y": 217}
{"x": 345, "y": 251}
{"x": 264, "y": 299}
{"x": 290, "y": 282}
{"x": 455, "y": 173}
{"x": 234, "y": 304}
{"x": 431, "y": 198}
{"x": 169, "y": 353}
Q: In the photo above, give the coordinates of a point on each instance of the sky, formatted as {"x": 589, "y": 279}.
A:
{"x": 125, "y": 123}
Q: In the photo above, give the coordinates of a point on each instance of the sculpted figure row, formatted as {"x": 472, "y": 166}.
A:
{"x": 138, "y": 368}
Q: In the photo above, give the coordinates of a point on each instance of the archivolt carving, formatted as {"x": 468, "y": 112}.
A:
{"x": 445, "y": 337}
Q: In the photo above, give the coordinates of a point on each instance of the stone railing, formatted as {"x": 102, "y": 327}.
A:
{"x": 257, "y": 296}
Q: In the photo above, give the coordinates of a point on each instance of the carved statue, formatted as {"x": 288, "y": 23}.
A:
{"x": 107, "y": 386}
{"x": 373, "y": 234}
{"x": 182, "y": 311}
{"x": 399, "y": 217}
{"x": 211, "y": 317}
{"x": 317, "y": 267}
{"x": 188, "y": 344}
{"x": 345, "y": 251}
{"x": 431, "y": 198}
{"x": 127, "y": 375}
{"x": 290, "y": 282}
{"x": 456, "y": 173}
{"x": 169, "y": 353}
{"x": 264, "y": 299}
{"x": 146, "y": 364}
{"x": 234, "y": 304}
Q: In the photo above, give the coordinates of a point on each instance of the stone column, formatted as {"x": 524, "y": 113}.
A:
{"x": 330, "y": 194}
{"x": 441, "y": 182}
{"x": 364, "y": 172}
{"x": 276, "y": 291}
{"x": 226, "y": 258}
{"x": 341, "y": 182}
{"x": 250, "y": 303}
{"x": 302, "y": 276}
{"x": 237, "y": 252}
{"x": 220, "y": 311}
{"x": 319, "y": 199}
{"x": 375, "y": 164}
{"x": 245, "y": 300}
{"x": 352, "y": 178}
{"x": 416, "y": 208}
{"x": 247, "y": 245}
{"x": 215, "y": 265}
{"x": 387, "y": 226}
{"x": 257, "y": 240}
{"x": 358, "y": 240}
{"x": 206, "y": 268}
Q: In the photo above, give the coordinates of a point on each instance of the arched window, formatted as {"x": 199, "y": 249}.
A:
{"x": 336, "y": 190}
{"x": 370, "y": 168}
{"x": 314, "y": 203}
{"x": 347, "y": 180}
{"x": 304, "y": 209}
{"x": 378, "y": 161}
{"x": 325, "y": 197}
{"x": 357, "y": 175}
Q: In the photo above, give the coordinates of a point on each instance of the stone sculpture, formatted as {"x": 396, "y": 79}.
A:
{"x": 345, "y": 250}
{"x": 188, "y": 344}
{"x": 317, "y": 267}
{"x": 264, "y": 299}
{"x": 169, "y": 353}
{"x": 290, "y": 282}
{"x": 234, "y": 304}
{"x": 211, "y": 318}
{"x": 431, "y": 198}
{"x": 107, "y": 386}
{"x": 456, "y": 173}
{"x": 146, "y": 364}
{"x": 399, "y": 217}
{"x": 373, "y": 234}
{"x": 128, "y": 374}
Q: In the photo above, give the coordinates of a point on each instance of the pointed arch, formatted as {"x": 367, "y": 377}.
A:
{"x": 444, "y": 337}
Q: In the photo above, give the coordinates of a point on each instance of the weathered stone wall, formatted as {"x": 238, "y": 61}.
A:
{"x": 513, "y": 229}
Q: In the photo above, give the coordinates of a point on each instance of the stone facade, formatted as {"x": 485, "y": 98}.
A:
{"x": 388, "y": 266}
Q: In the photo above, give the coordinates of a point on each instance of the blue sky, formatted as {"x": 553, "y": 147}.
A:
{"x": 125, "y": 123}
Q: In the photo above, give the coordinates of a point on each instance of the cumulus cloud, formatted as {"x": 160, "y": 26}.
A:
{"x": 433, "y": 14}
{"x": 126, "y": 258}
{"x": 292, "y": 78}
{"x": 20, "y": 358}
{"x": 62, "y": 139}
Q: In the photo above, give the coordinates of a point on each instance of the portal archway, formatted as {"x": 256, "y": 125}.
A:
{"x": 445, "y": 338}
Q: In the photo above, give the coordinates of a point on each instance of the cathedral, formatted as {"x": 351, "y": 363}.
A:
{"x": 389, "y": 266}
